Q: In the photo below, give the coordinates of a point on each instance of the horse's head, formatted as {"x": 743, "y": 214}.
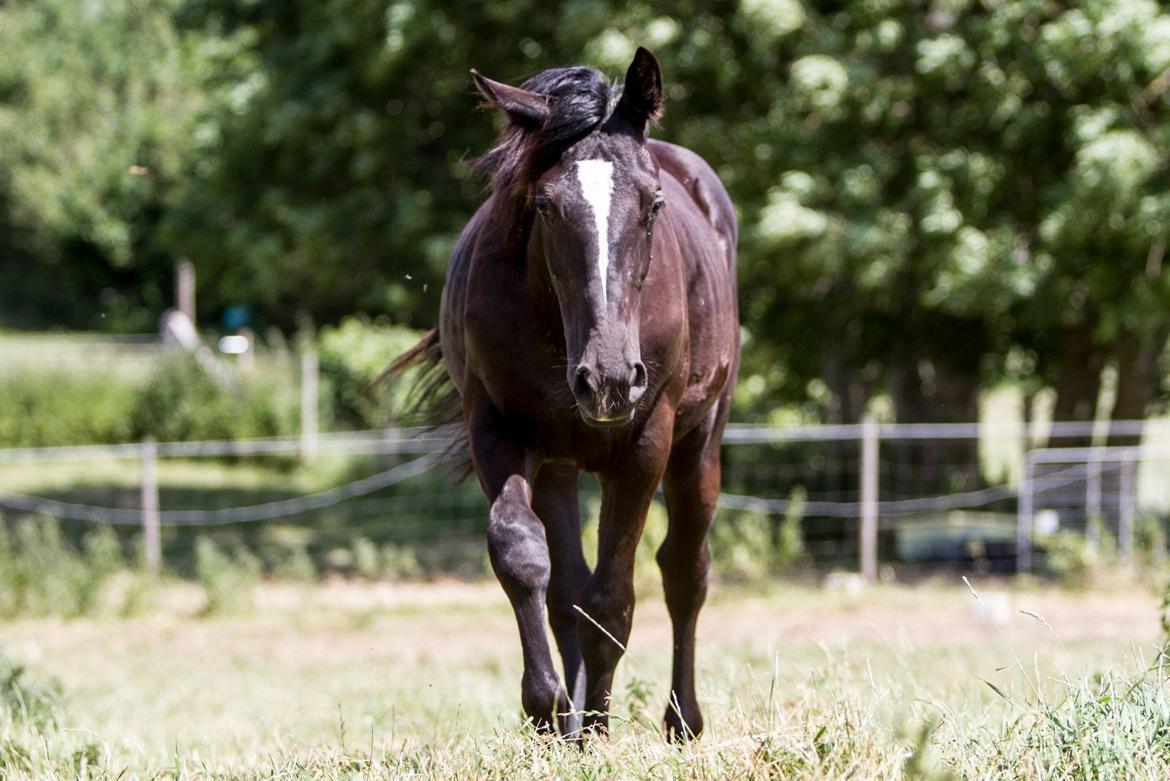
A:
{"x": 595, "y": 196}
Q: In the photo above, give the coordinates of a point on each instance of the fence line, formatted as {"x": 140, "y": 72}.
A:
{"x": 749, "y": 433}
{"x": 1077, "y": 464}
{"x": 418, "y": 440}
{"x": 406, "y": 441}
{"x": 224, "y": 516}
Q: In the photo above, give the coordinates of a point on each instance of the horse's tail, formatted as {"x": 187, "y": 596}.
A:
{"x": 432, "y": 400}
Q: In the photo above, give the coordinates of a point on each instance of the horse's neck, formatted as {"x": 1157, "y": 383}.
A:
{"x": 505, "y": 243}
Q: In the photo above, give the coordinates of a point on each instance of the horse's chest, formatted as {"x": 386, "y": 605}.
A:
{"x": 519, "y": 359}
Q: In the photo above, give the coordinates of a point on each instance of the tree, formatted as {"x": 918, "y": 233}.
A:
{"x": 97, "y": 103}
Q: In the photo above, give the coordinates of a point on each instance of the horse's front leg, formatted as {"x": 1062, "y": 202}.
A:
{"x": 519, "y": 554}
{"x": 608, "y": 601}
{"x": 555, "y": 502}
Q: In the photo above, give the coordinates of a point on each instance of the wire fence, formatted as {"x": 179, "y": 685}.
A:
{"x": 866, "y": 496}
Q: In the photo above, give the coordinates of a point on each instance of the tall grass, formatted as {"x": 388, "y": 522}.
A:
{"x": 1112, "y": 727}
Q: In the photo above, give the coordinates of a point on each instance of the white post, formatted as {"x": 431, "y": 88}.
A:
{"x": 869, "y": 498}
{"x": 1128, "y": 504}
{"x": 247, "y": 359}
{"x": 1024, "y": 519}
{"x": 185, "y": 288}
{"x": 1094, "y": 519}
{"x": 308, "y": 403}
{"x": 151, "y": 540}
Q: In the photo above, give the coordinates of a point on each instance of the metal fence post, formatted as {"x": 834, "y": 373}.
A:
{"x": 1024, "y": 519}
{"x": 1128, "y": 504}
{"x": 151, "y": 540}
{"x": 1094, "y": 514}
{"x": 308, "y": 403}
{"x": 869, "y": 498}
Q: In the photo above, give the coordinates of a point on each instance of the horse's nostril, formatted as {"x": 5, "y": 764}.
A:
{"x": 583, "y": 383}
{"x": 639, "y": 375}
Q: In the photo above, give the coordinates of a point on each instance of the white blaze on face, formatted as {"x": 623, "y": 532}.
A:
{"x": 596, "y": 179}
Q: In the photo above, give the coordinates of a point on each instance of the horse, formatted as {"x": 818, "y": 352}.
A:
{"x": 589, "y": 321}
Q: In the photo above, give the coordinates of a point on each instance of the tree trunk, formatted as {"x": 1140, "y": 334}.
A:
{"x": 1138, "y": 380}
{"x": 930, "y": 391}
{"x": 1078, "y": 382}
{"x": 848, "y": 392}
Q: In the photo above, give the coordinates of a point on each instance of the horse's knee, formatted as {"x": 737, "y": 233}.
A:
{"x": 517, "y": 545}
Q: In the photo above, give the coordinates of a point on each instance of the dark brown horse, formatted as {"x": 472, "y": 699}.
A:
{"x": 589, "y": 322}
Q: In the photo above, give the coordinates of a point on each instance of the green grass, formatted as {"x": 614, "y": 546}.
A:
{"x": 348, "y": 681}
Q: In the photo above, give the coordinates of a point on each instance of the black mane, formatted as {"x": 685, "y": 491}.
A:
{"x": 580, "y": 100}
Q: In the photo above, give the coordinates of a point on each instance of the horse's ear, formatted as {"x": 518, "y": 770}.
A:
{"x": 522, "y": 107}
{"x": 641, "y": 100}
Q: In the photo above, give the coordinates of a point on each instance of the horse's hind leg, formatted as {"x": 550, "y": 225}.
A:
{"x": 691, "y": 484}
{"x": 519, "y": 553}
{"x": 555, "y": 501}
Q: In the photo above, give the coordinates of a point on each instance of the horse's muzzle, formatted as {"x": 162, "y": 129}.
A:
{"x": 609, "y": 398}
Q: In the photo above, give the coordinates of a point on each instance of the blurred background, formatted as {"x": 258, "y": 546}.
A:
{"x": 220, "y": 219}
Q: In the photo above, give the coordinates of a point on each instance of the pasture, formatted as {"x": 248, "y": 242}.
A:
{"x": 339, "y": 680}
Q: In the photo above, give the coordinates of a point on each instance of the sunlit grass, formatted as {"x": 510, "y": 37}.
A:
{"x": 341, "y": 681}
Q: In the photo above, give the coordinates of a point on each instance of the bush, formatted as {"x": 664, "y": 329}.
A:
{"x": 749, "y": 546}
{"x": 42, "y": 409}
{"x": 1075, "y": 561}
{"x": 352, "y": 355}
{"x": 176, "y": 401}
{"x": 181, "y": 402}
{"x": 227, "y": 579}
{"x": 42, "y": 574}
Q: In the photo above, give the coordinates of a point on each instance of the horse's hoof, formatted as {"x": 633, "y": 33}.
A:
{"x": 682, "y": 726}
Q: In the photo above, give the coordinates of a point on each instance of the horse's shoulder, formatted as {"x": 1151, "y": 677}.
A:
{"x": 701, "y": 182}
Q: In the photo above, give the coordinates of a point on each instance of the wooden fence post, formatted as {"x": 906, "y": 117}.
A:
{"x": 151, "y": 539}
{"x": 185, "y": 288}
{"x": 309, "y": 392}
{"x": 1024, "y": 519}
{"x": 869, "y": 499}
{"x": 1125, "y": 520}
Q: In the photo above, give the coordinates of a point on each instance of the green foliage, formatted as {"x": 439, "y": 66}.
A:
{"x": 291, "y": 562}
{"x": 100, "y": 110}
{"x": 41, "y": 573}
{"x": 1149, "y": 541}
{"x": 1106, "y": 726}
{"x": 27, "y": 700}
{"x": 1076, "y": 561}
{"x": 931, "y": 196}
{"x": 176, "y": 401}
{"x": 182, "y": 402}
{"x": 400, "y": 563}
{"x": 751, "y": 546}
{"x": 227, "y": 579}
{"x": 63, "y": 407}
{"x": 352, "y": 356}
{"x": 790, "y": 536}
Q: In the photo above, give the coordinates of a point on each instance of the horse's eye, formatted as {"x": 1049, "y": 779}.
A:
{"x": 656, "y": 207}
{"x": 541, "y": 202}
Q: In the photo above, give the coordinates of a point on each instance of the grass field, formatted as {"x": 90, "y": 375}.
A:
{"x": 346, "y": 681}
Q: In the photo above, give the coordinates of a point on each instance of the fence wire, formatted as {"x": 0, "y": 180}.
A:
{"x": 945, "y": 492}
